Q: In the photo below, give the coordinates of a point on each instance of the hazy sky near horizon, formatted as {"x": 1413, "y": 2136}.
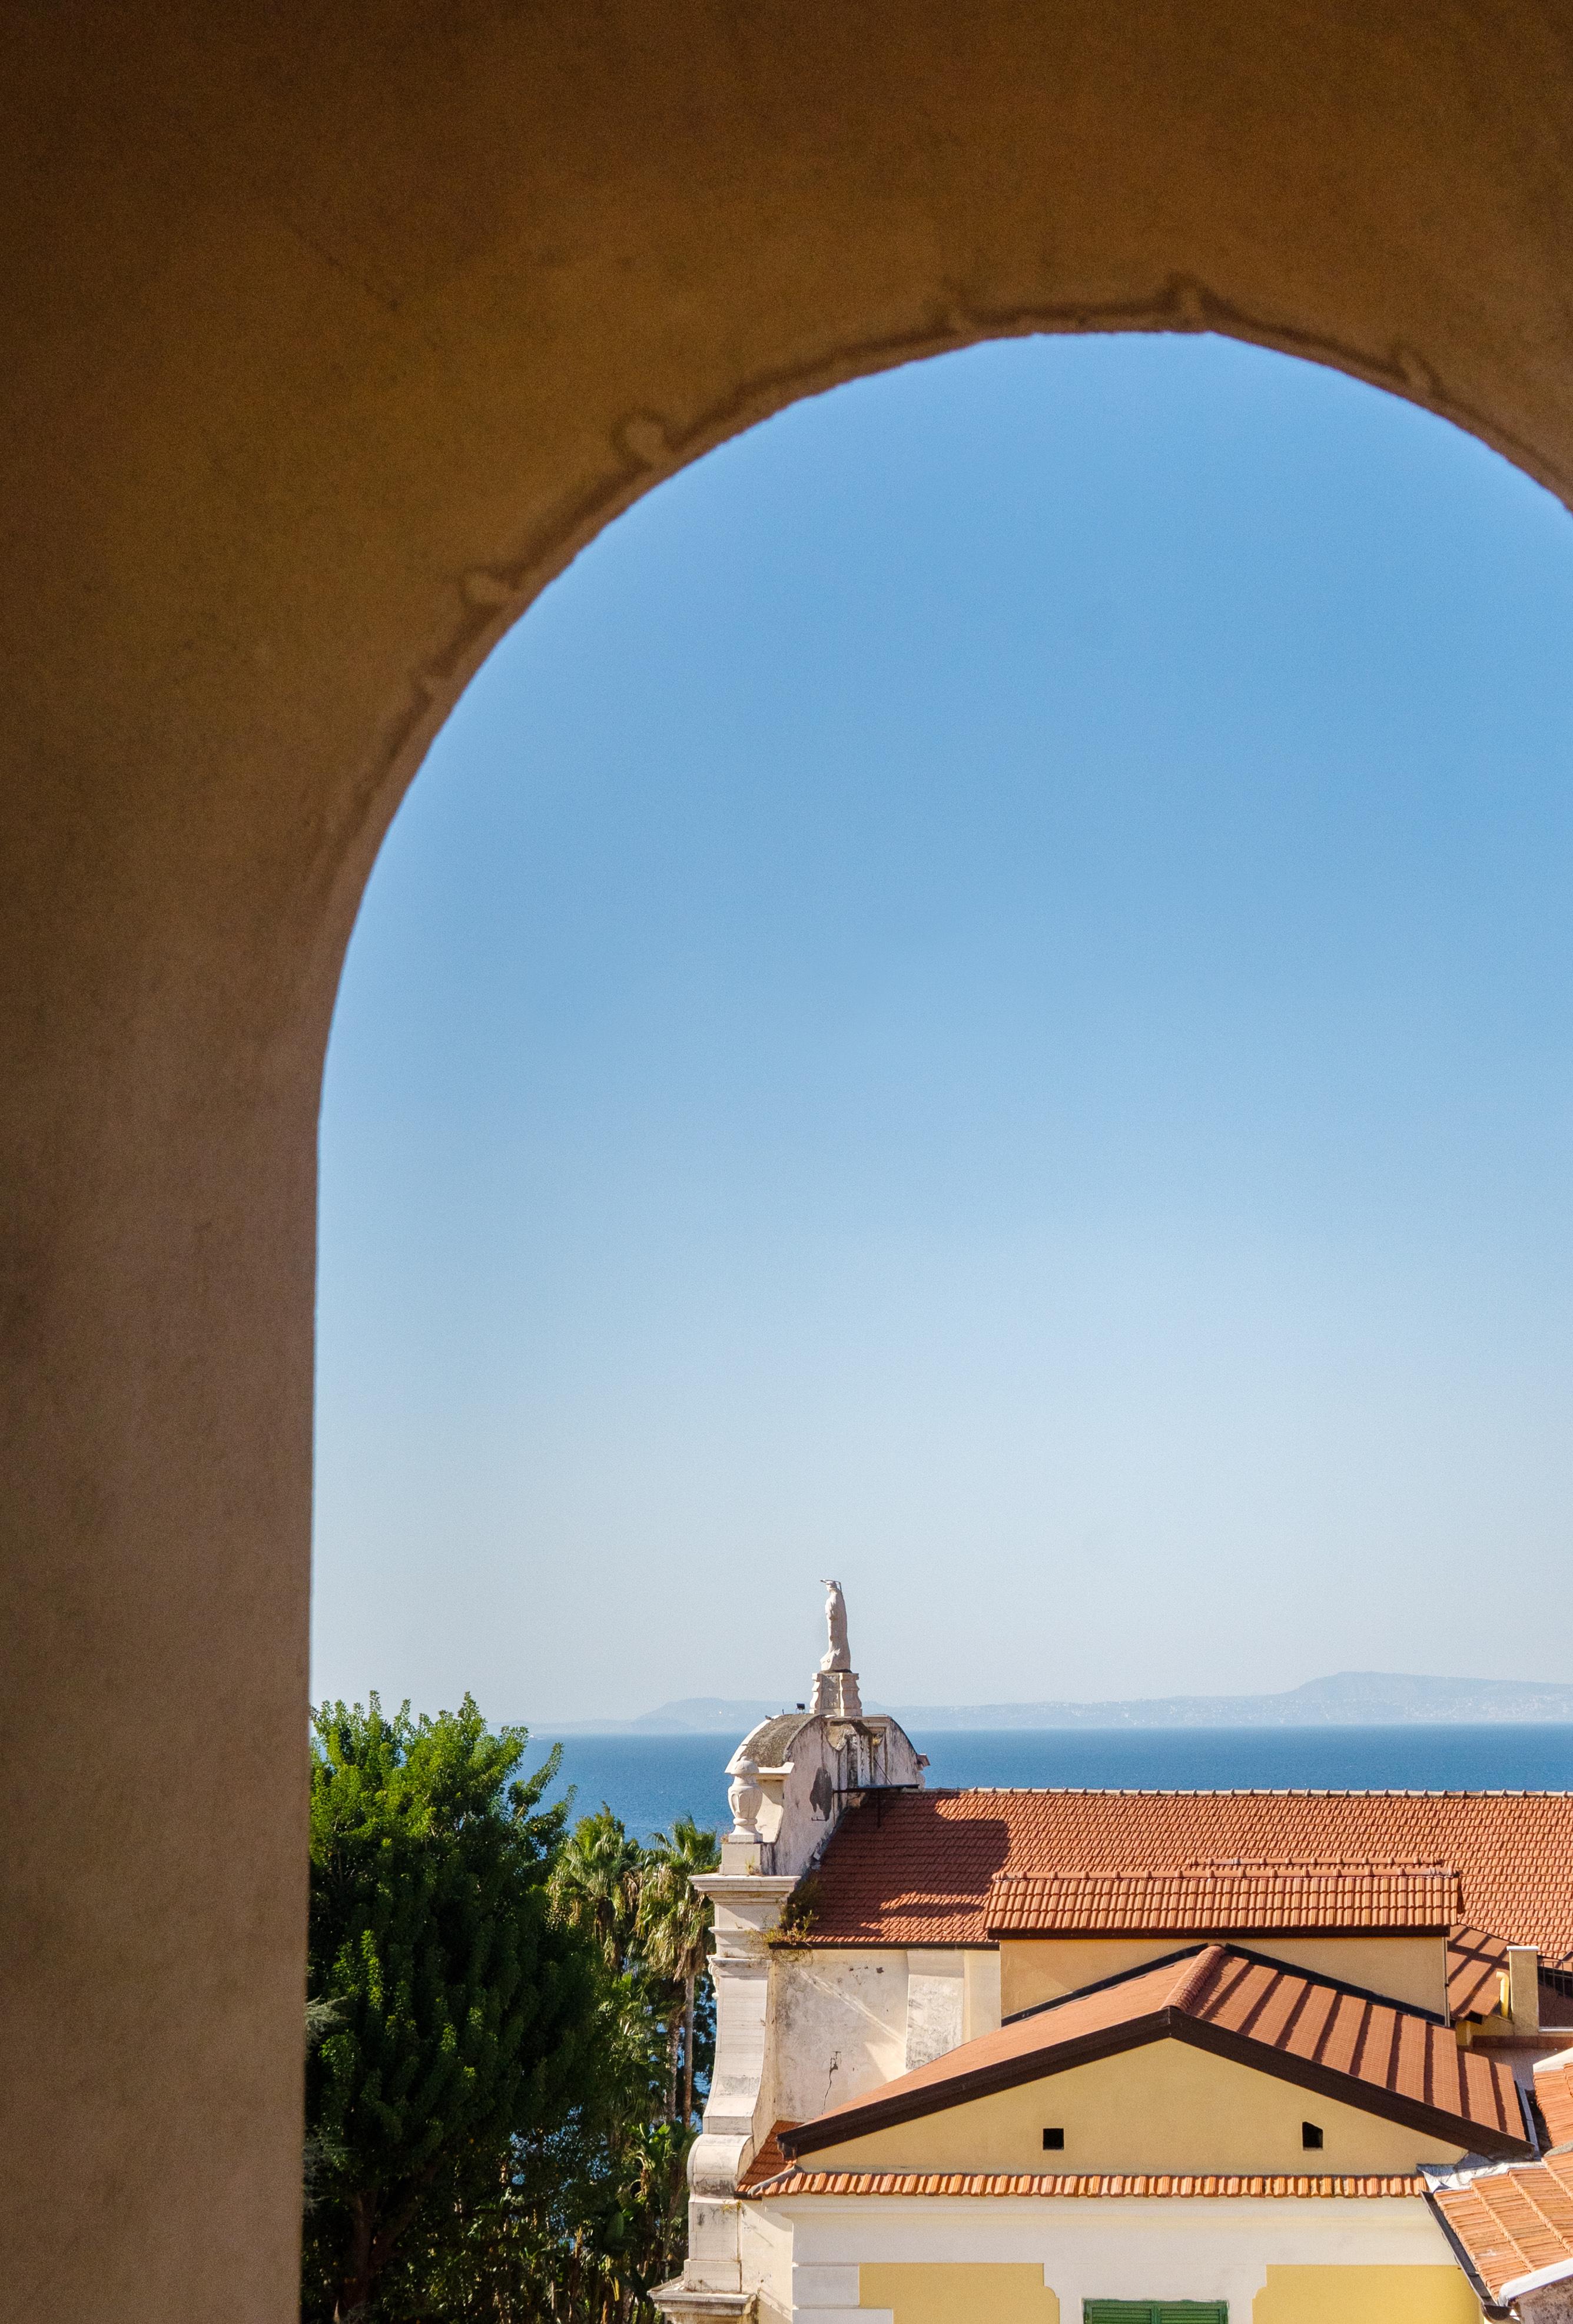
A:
{"x": 980, "y": 998}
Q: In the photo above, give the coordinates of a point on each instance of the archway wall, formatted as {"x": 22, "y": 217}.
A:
{"x": 334, "y": 333}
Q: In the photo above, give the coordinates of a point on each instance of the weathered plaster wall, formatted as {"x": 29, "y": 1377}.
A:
{"x": 936, "y": 2006}
{"x": 843, "y": 2022}
{"x": 838, "y": 2026}
{"x": 1167, "y": 2105}
{"x": 766, "y": 2244}
{"x": 952, "y": 1997}
{"x": 329, "y": 338}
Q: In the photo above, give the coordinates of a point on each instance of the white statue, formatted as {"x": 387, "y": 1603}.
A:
{"x": 838, "y": 1655}
{"x": 835, "y": 1683}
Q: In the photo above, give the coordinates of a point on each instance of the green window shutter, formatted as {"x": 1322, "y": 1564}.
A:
{"x": 1154, "y": 2312}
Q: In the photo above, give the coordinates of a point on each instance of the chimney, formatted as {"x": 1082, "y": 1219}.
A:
{"x": 1524, "y": 1989}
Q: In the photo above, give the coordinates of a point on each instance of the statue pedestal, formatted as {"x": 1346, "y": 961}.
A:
{"x": 835, "y": 1694}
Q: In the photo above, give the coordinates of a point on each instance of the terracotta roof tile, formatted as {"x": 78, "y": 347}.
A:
{"x": 769, "y": 2161}
{"x": 1509, "y": 2220}
{"x": 1379, "y": 2055}
{"x": 1083, "y": 2184}
{"x": 917, "y": 1868}
{"x": 1228, "y": 1898}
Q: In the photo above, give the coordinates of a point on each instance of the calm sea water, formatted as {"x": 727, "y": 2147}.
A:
{"x": 650, "y": 1779}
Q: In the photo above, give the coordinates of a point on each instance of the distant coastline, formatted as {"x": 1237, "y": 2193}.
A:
{"x": 1348, "y": 1699}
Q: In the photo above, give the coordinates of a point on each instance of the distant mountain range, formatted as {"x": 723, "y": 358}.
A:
{"x": 1352, "y": 1699}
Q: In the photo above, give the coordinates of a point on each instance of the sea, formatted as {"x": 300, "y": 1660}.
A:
{"x": 648, "y": 1780}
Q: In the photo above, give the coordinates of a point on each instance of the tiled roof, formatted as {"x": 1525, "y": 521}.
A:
{"x": 1554, "y": 2089}
{"x": 1075, "y": 2183}
{"x": 1230, "y": 1898}
{"x": 1510, "y": 2220}
{"x": 916, "y": 1867}
{"x": 771, "y": 2173}
{"x": 1388, "y": 2059}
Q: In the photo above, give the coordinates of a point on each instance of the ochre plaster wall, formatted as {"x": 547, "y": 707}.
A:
{"x": 959, "y": 2293}
{"x": 1042, "y": 1968}
{"x": 330, "y": 336}
{"x": 1366, "y": 2295}
{"x": 1165, "y": 2106}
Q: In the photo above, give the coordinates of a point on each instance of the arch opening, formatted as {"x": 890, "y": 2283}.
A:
{"x": 1354, "y": 536}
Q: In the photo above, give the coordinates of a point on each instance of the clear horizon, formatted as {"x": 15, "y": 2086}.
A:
{"x": 981, "y": 999}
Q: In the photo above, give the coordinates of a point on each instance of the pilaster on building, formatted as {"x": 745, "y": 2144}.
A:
{"x": 792, "y": 1779}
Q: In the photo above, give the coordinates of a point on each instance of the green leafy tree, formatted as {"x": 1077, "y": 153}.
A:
{"x": 577, "y": 2224}
{"x": 464, "y": 2010}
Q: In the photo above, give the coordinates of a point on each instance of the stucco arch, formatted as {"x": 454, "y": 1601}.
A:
{"x": 333, "y": 333}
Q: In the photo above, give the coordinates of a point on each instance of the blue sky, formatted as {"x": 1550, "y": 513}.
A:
{"x": 980, "y": 999}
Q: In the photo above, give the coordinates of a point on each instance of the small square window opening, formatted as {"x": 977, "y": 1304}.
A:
{"x": 1310, "y": 2134}
{"x": 1054, "y": 2141}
